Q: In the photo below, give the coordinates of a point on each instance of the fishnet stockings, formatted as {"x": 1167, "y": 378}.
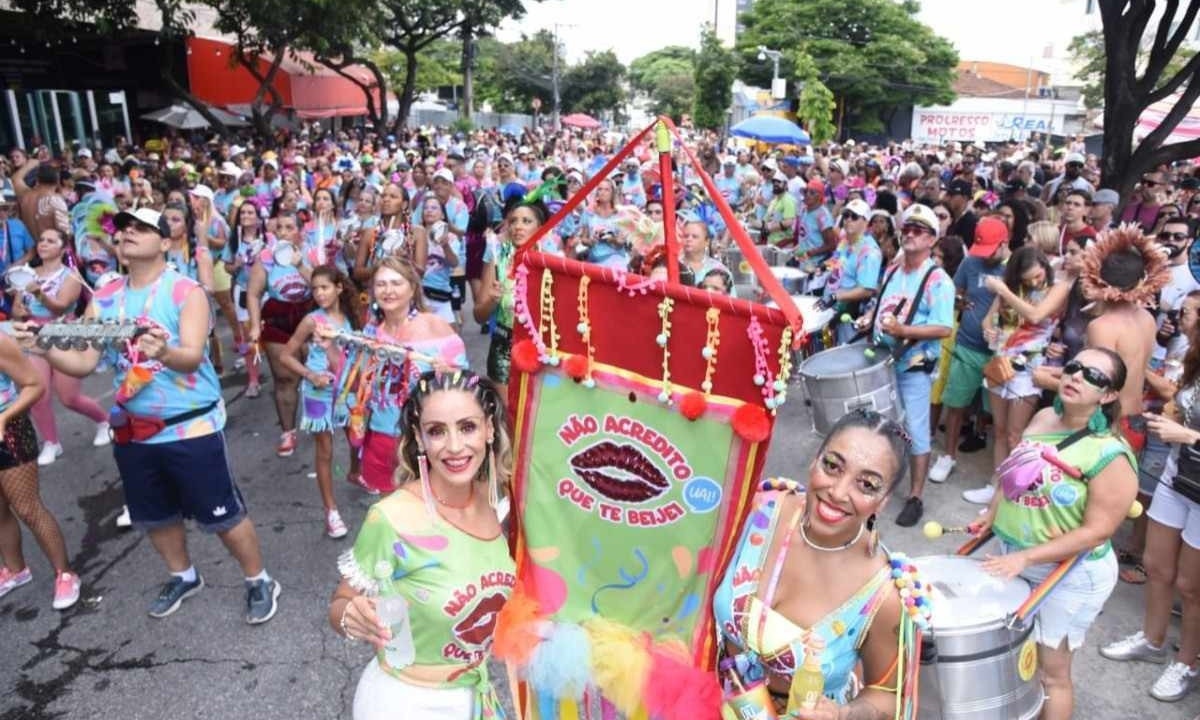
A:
{"x": 20, "y": 498}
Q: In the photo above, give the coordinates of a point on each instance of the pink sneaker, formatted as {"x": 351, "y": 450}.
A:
{"x": 66, "y": 590}
{"x": 334, "y": 526}
{"x": 287, "y": 444}
{"x": 253, "y": 390}
{"x": 10, "y": 580}
{"x": 357, "y": 479}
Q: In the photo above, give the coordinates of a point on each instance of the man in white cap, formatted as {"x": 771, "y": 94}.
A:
{"x": 1072, "y": 177}
{"x": 857, "y": 261}
{"x": 633, "y": 192}
{"x": 227, "y": 190}
{"x": 780, "y": 219}
{"x": 168, "y": 438}
{"x": 915, "y": 311}
{"x": 728, "y": 182}
{"x": 457, "y": 214}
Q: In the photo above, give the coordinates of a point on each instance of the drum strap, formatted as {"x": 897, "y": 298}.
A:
{"x": 899, "y": 349}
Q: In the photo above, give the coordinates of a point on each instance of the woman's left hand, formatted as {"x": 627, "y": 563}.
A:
{"x": 1168, "y": 430}
{"x": 1006, "y": 566}
{"x": 826, "y": 709}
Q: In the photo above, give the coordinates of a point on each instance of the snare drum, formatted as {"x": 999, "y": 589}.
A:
{"x": 19, "y": 277}
{"x": 842, "y": 379}
{"x": 981, "y": 668}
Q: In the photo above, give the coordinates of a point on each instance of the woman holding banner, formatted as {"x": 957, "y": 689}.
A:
{"x": 1063, "y": 491}
{"x": 796, "y": 618}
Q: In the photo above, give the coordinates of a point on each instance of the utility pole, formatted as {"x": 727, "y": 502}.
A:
{"x": 554, "y": 76}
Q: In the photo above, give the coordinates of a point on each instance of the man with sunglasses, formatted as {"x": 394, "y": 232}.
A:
{"x": 816, "y": 236}
{"x": 915, "y": 311}
{"x": 856, "y": 263}
{"x": 1071, "y": 177}
{"x": 1152, "y": 192}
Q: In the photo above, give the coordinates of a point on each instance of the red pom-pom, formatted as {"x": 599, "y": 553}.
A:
{"x": 693, "y": 405}
{"x": 751, "y": 423}
{"x": 576, "y": 367}
{"x": 525, "y": 357}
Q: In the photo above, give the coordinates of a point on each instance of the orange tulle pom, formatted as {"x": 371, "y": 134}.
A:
{"x": 576, "y": 367}
{"x": 517, "y": 629}
{"x": 136, "y": 378}
{"x": 525, "y": 357}
{"x": 693, "y": 405}
{"x": 751, "y": 423}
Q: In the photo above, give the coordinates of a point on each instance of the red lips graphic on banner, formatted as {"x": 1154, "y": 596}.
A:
{"x": 619, "y": 472}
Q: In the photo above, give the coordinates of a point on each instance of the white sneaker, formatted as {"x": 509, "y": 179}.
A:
{"x": 334, "y": 527}
{"x": 102, "y": 436}
{"x": 123, "y": 520}
{"x": 1175, "y": 682}
{"x": 50, "y": 452}
{"x": 979, "y": 496}
{"x": 942, "y": 467}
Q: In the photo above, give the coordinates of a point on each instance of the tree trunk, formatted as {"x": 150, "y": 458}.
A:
{"x": 266, "y": 84}
{"x": 377, "y": 112}
{"x": 410, "y": 86}
{"x": 167, "y": 72}
{"x": 468, "y": 70}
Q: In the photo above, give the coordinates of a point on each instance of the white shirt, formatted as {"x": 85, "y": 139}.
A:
{"x": 1182, "y": 282}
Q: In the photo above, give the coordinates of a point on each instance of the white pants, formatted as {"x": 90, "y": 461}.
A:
{"x": 380, "y": 696}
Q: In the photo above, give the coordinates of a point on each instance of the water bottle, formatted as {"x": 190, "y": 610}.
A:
{"x": 393, "y": 612}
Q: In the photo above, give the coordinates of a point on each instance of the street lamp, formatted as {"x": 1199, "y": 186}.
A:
{"x": 778, "y": 84}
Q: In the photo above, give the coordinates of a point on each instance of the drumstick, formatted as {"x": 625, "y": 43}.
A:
{"x": 934, "y": 529}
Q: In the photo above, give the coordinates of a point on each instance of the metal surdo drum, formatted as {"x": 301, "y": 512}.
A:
{"x": 977, "y": 667}
{"x": 842, "y": 379}
{"x": 793, "y": 280}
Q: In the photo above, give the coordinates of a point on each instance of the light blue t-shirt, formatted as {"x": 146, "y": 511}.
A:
{"x": 809, "y": 226}
{"x": 936, "y": 307}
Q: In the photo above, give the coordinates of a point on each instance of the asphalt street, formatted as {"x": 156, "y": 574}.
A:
{"x": 107, "y": 658}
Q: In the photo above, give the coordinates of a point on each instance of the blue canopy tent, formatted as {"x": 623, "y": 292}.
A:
{"x": 771, "y": 129}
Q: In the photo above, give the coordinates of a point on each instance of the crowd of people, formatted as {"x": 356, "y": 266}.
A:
{"x": 1017, "y": 307}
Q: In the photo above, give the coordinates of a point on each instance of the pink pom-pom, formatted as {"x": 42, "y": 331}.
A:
{"x": 677, "y": 691}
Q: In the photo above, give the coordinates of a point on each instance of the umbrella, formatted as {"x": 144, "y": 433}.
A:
{"x": 512, "y": 129}
{"x": 185, "y": 117}
{"x": 580, "y": 120}
{"x": 771, "y": 129}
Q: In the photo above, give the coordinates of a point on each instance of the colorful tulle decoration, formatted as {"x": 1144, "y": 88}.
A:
{"x": 562, "y": 663}
{"x": 517, "y": 629}
{"x": 620, "y": 663}
{"x": 135, "y": 380}
{"x": 677, "y": 691}
{"x": 100, "y": 220}
{"x": 638, "y": 228}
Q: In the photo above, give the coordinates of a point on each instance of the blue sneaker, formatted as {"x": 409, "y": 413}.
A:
{"x": 261, "y": 601}
{"x": 172, "y": 595}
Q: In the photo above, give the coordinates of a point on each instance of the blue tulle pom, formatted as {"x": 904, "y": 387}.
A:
{"x": 561, "y": 664}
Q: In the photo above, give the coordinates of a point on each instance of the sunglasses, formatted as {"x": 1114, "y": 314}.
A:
{"x": 1150, "y": 183}
{"x": 1091, "y": 376}
{"x": 1173, "y": 237}
{"x": 848, "y": 216}
{"x": 914, "y": 229}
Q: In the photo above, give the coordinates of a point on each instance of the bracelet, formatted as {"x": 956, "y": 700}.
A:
{"x": 342, "y": 621}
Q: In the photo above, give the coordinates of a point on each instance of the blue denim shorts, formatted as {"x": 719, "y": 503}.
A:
{"x": 915, "y": 388}
{"x": 1075, "y": 603}
{"x": 167, "y": 482}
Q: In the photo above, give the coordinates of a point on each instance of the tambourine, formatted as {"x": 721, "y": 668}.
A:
{"x": 89, "y": 332}
{"x": 19, "y": 277}
{"x": 284, "y": 253}
{"x": 107, "y": 279}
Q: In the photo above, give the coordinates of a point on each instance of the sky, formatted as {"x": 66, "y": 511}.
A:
{"x": 1017, "y": 31}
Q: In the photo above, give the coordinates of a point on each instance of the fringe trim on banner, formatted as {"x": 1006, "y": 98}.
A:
{"x": 631, "y": 670}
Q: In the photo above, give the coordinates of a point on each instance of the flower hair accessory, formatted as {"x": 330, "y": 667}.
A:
{"x": 1122, "y": 239}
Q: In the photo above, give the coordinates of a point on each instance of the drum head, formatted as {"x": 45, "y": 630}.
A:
{"x": 964, "y": 595}
{"x": 841, "y": 361}
{"x": 19, "y": 277}
{"x": 284, "y": 253}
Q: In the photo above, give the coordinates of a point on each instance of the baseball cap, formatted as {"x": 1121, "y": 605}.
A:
{"x": 145, "y": 216}
{"x": 84, "y": 153}
{"x": 779, "y": 177}
{"x": 728, "y": 160}
{"x": 444, "y": 174}
{"x": 203, "y": 191}
{"x": 922, "y": 215}
{"x": 815, "y": 184}
{"x": 1075, "y": 158}
{"x": 270, "y": 162}
{"x": 506, "y": 157}
{"x": 1105, "y": 196}
{"x": 990, "y": 233}
{"x": 858, "y": 207}
{"x": 958, "y": 186}
{"x": 235, "y": 150}
{"x": 228, "y": 168}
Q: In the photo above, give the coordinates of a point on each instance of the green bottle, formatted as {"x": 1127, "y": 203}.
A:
{"x": 808, "y": 683}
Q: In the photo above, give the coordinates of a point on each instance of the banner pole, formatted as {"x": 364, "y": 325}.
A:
{"x": 662, "y": 141}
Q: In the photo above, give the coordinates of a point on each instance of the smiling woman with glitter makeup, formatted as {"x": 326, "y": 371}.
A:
{"x": 807, "y": 586}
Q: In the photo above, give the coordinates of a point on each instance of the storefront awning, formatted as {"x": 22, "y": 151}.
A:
{"x": 308, "y": 88}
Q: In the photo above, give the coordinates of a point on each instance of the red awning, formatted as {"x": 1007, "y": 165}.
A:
{"x": 307, "y": 87}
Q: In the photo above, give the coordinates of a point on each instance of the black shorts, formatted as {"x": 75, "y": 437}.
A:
{"x": 459, "y": 283}
{"x": 20, "y": 444}
{"x": 167, "y": 482}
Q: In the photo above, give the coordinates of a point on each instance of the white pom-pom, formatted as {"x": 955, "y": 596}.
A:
{"x": 779, "y": 386}
{"x": 582, "y": 328}
{"x": 664, "y": 397}
{"x": 706, "y": 353}
{"x": 706, "y": 386}
{"x": 759, "y": 380}
{"x": 589, "y": 383}
{"x": 661, "y": 339}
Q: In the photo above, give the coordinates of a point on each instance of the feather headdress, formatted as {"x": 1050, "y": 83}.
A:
{"x": 1125, "y": 238}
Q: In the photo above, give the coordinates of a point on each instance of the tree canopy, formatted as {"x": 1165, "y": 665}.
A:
{"x": 594, "y": 86}
{"x": 873, "y": 55}
{"x": 668, "y": 77}
{"x": 1138, "y": 72}
{"x": 716, "y": 68}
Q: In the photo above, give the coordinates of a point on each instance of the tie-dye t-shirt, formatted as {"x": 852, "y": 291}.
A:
{"x": 393, "y": 389}
{"x": 168, "y": 392}
{"x": 8, "y": 391}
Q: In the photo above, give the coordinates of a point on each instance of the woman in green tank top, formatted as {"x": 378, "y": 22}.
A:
{"x": 436, "y": 549}
{"x": 1063, "y": 491}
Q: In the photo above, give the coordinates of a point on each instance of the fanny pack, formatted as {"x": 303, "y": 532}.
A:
{"x": 1187, "y": 474}
{"x": 437, "y": 295}
{"x": 129, "y": 428}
